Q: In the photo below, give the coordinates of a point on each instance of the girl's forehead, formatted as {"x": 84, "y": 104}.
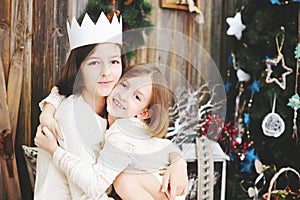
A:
{"x": 139, "y": 81}
{"x": 106, "y": 50}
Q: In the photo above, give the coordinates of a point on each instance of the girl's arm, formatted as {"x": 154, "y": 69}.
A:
{"x": 93, "y": 179}
{"x": 175, "y": 179}
{"x": 48, "y": 107}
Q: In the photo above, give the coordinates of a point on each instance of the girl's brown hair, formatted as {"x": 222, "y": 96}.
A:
{"x": 158, "y": 123}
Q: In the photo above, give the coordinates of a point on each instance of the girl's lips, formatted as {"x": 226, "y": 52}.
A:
{"x": 105, "y": 82}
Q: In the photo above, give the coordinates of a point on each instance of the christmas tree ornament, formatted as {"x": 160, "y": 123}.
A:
{"x": 246, "y": 166}
{"x": 294, "y": 102}
{"x": 236, "y": 26}
{"x": 251, "y": 156}
{"x": 232, "y": 61}
{"x": 248, "y": 163}
{"x": 273, "y": 125}
{"x": 275, "y": 2}
{"x": 242, "y": 76}
{"x": 246, "y": 119}
{"x": 227, "y": 86}
{"x": 270, "y": 63}
{"x": 237, "y": 105}
{"x": 260, "y": 180}
{"x": 283, "y": 192}
{"x": 254, "y": 87}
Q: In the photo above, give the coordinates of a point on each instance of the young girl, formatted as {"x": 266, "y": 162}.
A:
{"x": 138, "y": 111}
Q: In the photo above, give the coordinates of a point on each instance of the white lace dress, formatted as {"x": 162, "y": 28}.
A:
{"x": 127, "y": 147}
{"x": 83, "y": 130}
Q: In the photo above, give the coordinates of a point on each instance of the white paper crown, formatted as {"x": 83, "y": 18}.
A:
{"x": 91, "y": 33}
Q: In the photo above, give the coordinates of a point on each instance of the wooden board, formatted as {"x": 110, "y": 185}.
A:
{"x": 14, "y": 88}
{"x": 4, "y": 126}
{"x": 5, "y": 120}
{"x": 5, "y": 25}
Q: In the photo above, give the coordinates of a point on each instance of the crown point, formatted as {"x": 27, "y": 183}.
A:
{"x": 115, "y": 19}
{"x": 103, "y": 19}
{"x": 73, "y": 23}
{"x": 87, "y": 21}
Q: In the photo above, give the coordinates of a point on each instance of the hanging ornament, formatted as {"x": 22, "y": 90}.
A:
{"x": 259, "y": 183}
{"x": 254, "y": 87}
{"x": 273, "y": 125}
{"x": 235, "y": 25}
{"x": 248, "y": 163}
{"x": 232, "y": 61}
{"x": 246, "y": 119}
{"x": 281, "y": 81}
{"x": 284, "y": 2}
{"x": 275, "y": 2}
{"x": 246, "y": 166}
{"x": 294, "y": 102}
{"x": 227, "y": 86}
{"x": 242, "y": 76}
{"x": 237, "y": 104}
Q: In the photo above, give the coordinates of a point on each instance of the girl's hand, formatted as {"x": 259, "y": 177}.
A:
{"x": 47, "y": 120}
{"x": 175, "y": 179}
{"x": 44, "y": 139}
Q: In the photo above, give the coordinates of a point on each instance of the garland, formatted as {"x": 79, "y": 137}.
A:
{"x": 135, "y": 14}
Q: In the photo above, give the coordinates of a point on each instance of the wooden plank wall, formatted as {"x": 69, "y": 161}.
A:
{"x": 39, "y": 27}
{"x": 211, "y": 35}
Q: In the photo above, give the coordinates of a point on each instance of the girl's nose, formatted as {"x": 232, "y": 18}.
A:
{"x": 105, "y": 71}
{"x": 124, "y": 95}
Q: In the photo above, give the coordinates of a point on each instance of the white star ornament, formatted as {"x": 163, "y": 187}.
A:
{"x": 235, "y": 25}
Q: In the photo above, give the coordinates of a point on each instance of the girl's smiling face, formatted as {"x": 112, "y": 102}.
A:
{"x": 131, "y": 97}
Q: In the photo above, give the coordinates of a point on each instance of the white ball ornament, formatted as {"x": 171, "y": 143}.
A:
{"x": 242, "y": 76}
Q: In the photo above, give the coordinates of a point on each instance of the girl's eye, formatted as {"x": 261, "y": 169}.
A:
{"x": 115, "y": 62}
{"x": 137, "y": 97}
{"x": 94, "y": 63}
{"x": 123, "y": 84}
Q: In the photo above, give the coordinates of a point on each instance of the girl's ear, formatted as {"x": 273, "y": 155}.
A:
{"x": 145, "y": 114}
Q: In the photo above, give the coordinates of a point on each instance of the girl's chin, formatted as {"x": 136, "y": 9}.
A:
{"x": 103, "y": 93}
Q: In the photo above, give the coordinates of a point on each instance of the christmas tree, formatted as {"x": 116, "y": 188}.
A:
{"x": 262, "y": 68}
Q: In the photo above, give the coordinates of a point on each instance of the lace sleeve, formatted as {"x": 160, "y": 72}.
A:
{"x": 92, "y": 179}
{"x": 54, "y": 98}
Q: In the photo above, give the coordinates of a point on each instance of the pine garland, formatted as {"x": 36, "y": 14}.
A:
{"x": 135, "y": 14}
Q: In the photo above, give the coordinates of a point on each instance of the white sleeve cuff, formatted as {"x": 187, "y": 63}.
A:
{"x": 54, "y": 98}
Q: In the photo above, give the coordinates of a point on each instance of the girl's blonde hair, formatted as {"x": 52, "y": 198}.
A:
{"x": 158, "y": 123}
